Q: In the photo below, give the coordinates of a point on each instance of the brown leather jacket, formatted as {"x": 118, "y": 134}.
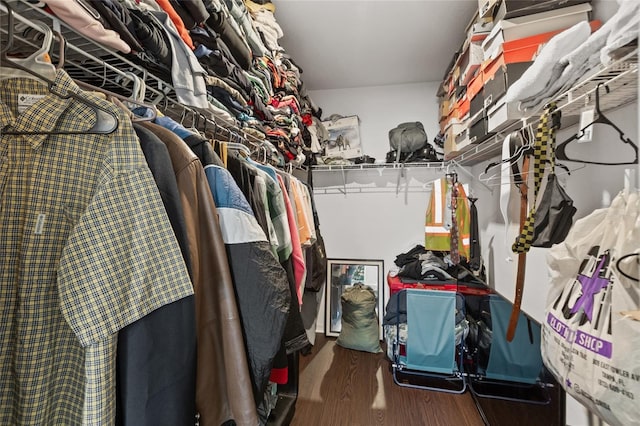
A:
{"x": 223, "y": 384}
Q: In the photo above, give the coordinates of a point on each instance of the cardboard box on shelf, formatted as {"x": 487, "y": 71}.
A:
{"x": 462, "y": 107}
{"x": 473, "y": 58}
{"x": 478, "y": 130}
{"x": 527, "y": 49}
{"x": 444, "y": 108}
{"x": 456, "y": 139}
{"x": 515, "y": 8}
{"x": 498, "y": 76}
{"x": 503, "y": 115}
{"x": 486, "y": 6}
{"x": 529, "y": 25}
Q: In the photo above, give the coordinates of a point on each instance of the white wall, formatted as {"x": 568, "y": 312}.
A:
{"x": 372, "y": 225}
{"x": 375, "y": 224}
{"x": 382, "y": 108}
{"x": 591, "y": 187}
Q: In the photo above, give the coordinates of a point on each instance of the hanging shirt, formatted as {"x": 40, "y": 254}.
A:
{"x": 437, "y": 233}
{"x": 86, "y": 250}
{"x": 301, "y": 218}
{"x": 277, "y": 210}
{"x": 261, "y": 283}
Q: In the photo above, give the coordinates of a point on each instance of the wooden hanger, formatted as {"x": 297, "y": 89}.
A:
{"x": 601, "y": 119}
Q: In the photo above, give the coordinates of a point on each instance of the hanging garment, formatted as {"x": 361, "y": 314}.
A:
{"x": 238, "y": 10}
{"x": 437, "y": 234}
{"x": 543, "y": 151}
{"x": 86, "y": 250}
{"x": 260, "y": 282}
{"x": 226, "y": 27}
{"x": 453, "y": 229}
{"x": 177, "y": 22}
{"x": 278, "y": 212}
{"x": 223, "y": 383}
{"x": 475, "y": 260}
{"x": 191, "y": 12}
{"x": 245, "y": 178}
{"x": 297, "y": 258}
{"x": 156, "y": 360}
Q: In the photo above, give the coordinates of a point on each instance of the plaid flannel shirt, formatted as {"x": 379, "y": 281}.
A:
{"x": 86, "y": 248}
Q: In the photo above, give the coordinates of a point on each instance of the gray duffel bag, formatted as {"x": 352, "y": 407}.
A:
{"x": 408, "y": 137}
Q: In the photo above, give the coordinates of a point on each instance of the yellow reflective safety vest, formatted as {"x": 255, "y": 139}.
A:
{"x": 437, "y": 227}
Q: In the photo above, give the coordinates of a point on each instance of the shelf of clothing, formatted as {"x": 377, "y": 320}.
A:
{"x": 620, "y": 80}
{"x": 89, "y": 61}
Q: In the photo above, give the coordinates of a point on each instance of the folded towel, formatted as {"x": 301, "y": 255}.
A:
{"x": 627, "y": 23}
{"x": 546, "y": 67}
{"x": 572, "y": 74}
{"x": 574, "y": 65}
{"x": 619, "y": 30}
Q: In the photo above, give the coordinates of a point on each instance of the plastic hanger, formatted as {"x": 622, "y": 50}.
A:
{"x": 601, "y": 119}
{"x": 518, "y": 150}
{"x": 39, "y": 67}
{"x": 152, "y": 108}
{"x": 38, "y": 64}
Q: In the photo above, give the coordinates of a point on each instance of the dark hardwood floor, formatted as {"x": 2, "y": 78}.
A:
{"x": 339, "y": 387}
{"x": 342, "y": 387}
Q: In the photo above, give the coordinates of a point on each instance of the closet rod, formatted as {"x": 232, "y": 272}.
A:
{"x": 94, "y": 67}
{"x": 111, "y": 61}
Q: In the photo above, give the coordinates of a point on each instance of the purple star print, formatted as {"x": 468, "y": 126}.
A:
{"x": 590, "y": 287}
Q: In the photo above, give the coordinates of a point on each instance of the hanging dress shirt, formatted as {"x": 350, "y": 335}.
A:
{"x": 86, "y": 250}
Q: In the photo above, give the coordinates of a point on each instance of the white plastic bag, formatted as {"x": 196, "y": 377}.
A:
{"x": 589, "y": 345}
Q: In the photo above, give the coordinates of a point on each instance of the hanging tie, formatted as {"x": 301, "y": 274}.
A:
{"x": 544, "y": 133}
{"x": 543, "y": 147}
{"x": 475, "y": 262}
{"x": 454, "y": 254}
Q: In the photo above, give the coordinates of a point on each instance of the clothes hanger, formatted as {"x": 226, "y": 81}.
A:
{"x": 37, "y": 64}
{"x": 38, "y": 67}
{"x": 521, "y": 145}
{"x": 623, "y": 273}
{"x": 601, "y": 119}
{"x": 133, "y": 99}
{"x": 148, "y": 117}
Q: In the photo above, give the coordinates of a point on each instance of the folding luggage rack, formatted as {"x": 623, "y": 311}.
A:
{"x": 450, "y": 341}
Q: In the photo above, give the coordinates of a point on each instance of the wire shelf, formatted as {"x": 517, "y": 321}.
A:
{"x": 620, "y": 82}
{"x": 378, "y": 166}
{"x": 101, "y": 66}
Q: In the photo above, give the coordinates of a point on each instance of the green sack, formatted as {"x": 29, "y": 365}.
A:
{"x": 360, "y": 328}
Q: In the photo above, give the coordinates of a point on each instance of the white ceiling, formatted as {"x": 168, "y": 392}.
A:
{"x": 359, "y": 43}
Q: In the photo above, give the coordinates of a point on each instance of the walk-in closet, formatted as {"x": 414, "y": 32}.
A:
{"x": 319, "y": 213}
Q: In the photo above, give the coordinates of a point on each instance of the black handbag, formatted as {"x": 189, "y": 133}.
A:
{"x": 554, "y": 215}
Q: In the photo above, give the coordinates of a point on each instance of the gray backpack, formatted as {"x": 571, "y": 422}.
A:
{"x": 408, "y": 137}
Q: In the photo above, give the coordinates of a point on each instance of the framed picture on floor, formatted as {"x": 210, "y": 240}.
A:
{"x": 344, "y": 273}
